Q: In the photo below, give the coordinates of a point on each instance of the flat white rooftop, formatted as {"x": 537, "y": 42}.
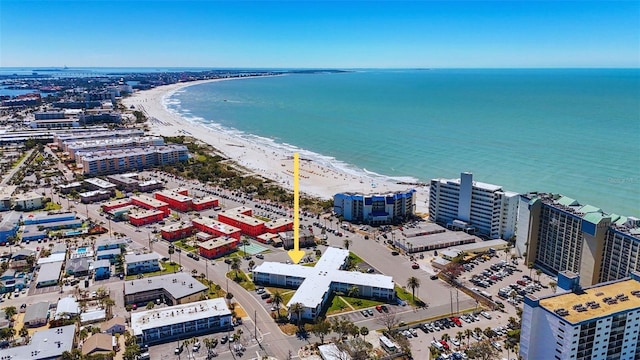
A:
{"x": 155, "y": 318}
{"x": 318, "y": 279}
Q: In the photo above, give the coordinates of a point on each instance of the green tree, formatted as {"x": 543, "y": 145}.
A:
{"x": 353, "y": 291}
{"x": 413, "y": 283}
{"x": 171, "y": 252}
{"x": 277, "y": 299}
{"x": 24, "y": 333}
{"x": 297, "y": 309}
{"x": 553, "y": 285}
{"x": 9, "y": 312}
{"x": 347, "y": 242}
{"x": 150, "y": 305}
{"x": 321, "y": 328}
{"x": 235, "y": 265}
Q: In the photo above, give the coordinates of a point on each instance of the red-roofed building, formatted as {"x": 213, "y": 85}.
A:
{"x": 178, "y": 199}
{"x": 177, "y": 231}
{"x": 151, "y": 204}
{"x": 144, "y": 216}
{"x": 207, "y": 202}
{"x": 279, "y": 225}
{"x": 216, "y": 228}
{"x": 241, "y": 218}
{"x": 217, "y": 247}
{"x": 108, "y": 206}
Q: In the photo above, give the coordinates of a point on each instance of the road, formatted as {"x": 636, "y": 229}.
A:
{"x": 440, "y": 297}
{"x": 15, "y": 169}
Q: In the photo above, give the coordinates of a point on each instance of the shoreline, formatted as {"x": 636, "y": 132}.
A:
{"x": 276, "y": 164}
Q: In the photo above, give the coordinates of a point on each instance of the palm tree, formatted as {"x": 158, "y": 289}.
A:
{"x": 347, "y": 242}
{"x": 171, "y": 252}
{"x": 468, "y": 332}
{"x": 507, "y": 251}
{"x": 446, "y": 337}
{"x": 538, "y": 273}
{"x": 460, "y": 335}
{"x": 413, "y": 283}
{"x": 9, "y": 311}
{"x": 24, "y": 333}
{"x": 277, "y": 299}
{"x": 251, "y": 264}
{"x": 478, "y": 331}
{"x": 530, "y": 266}
{"x": 353, "y": 291}
{"x": 84, "y": 333}
{"x": 108, "y": 304}
{"x": 296, "y": 308}
{"x": 553, "y": 285}
{"x": 235, "y": 265}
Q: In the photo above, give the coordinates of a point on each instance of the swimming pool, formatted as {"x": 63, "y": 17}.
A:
{"x": 81, "y": 250}
{"x": 73, "y": 233}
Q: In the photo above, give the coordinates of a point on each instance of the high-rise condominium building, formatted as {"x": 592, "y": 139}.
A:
{"x": 558, "y": 233}
{"x": 473, "y": 206}
{"x": 599, "y": 322}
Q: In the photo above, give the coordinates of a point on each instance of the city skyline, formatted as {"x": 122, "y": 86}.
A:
{"x": 309, "y": 34}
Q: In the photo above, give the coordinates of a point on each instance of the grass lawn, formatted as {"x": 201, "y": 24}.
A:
{"x": 169, "y": 268}
{"x": 286, "y": 294}
{"x": 406, "y": 295}
{"x": 182, "y": 245}
{"x": 213, "y": 293}
{"x": 337, "y": 306}
{"x": 361, "y": 303}
{"x": 243, "y": 280}
{"x": 52, "y": 206}
{"x": 355, "y": 259}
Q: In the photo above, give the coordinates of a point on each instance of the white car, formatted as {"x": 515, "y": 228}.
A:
{"x": 455, "y": 342}
{"x": 496, "y": 345}
{"x": 486, "y": 314}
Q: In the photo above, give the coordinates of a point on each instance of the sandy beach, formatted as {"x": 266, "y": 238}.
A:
{"x": 315, "y": 179}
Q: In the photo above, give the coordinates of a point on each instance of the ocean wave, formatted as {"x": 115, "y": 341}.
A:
{"x": 174, "y": 106}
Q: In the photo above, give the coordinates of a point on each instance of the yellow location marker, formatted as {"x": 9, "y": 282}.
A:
{"x": 296, "y": 254}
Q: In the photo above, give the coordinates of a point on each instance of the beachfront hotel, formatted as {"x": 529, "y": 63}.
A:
{"x": 598, "y": 322}
{"x": 102, "y": 162}
{"x": 558, "y": 233}
{"x": 316, "y": 284}
{"x": 375, "y": 209}
{"x": 180, "y": 322}
{"x": 480, "y": 208}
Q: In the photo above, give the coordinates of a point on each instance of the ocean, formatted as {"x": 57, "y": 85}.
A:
{"x": 569, "y": 131}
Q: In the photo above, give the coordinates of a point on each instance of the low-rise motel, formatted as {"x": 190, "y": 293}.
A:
{"x": 596, "y": 322}
{"x": 179, "y": 199}
{"x": 220, "y": 246}
{"x": 241, "y": 218}
{"x": 150, "y": 203}
{"x": 177, "y": 231}
{"x": 181, "y": 321}
{"x": 216, "y": 228}
{"x": 141, "y": 217}
{"x": 178, "y": 288}
{"x": 316, "y": 284}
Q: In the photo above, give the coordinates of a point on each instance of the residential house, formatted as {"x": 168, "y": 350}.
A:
{"x": 102, "y": 269}
{"x": 36, "y": 314}
{"x": 114, "y": 326}
{"x": 99, "y": 344}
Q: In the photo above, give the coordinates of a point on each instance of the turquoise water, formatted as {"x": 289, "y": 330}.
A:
{"x": 81, "y": 250}
{"x": 73, "y": 233}
{"x": 571, "y": 131}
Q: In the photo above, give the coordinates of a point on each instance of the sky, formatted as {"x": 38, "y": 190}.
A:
{"x": 326, "y": 34}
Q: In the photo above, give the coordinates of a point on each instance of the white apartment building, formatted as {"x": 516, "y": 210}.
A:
{"x": 143, "y": 263}
{"x": 468, "y": 205}
{"x": 316, "y": 284}
{"x": 596, "y": 323}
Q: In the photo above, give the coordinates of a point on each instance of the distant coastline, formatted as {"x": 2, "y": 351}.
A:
{"x": 316, "y": 179}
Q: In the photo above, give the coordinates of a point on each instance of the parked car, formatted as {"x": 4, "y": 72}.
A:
{"x": 486, "y": 315}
